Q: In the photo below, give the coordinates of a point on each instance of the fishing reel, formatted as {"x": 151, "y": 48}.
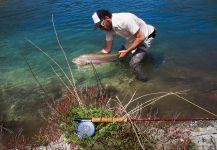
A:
{"x": 85, "y": 129}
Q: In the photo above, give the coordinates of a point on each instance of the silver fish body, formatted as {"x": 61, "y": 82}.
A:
{"x": 95, "y": 58}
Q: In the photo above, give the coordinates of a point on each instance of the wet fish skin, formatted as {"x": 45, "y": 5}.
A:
{"x": 95, "y": 58}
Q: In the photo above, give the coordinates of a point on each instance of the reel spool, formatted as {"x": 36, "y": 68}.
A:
{"x": 85, "y": 129}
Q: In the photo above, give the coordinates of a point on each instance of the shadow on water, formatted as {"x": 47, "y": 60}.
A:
{"x": 155, "y": 58}
{"x": 22, "y": 106}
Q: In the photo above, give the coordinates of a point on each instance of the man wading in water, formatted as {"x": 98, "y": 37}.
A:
{"x": 137, "y": 33}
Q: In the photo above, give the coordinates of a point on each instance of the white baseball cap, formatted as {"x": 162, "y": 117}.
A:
{"x": 98, "y": 17}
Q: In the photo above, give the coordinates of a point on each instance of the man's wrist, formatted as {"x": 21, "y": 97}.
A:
{"x": 128, "y": 50}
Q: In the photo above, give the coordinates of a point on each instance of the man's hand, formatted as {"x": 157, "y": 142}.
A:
{"x": 123, "y": 53}
{"x": 139, "y": 39}
{"x": 103, "y": 51}
{"x": 107, "y": 48}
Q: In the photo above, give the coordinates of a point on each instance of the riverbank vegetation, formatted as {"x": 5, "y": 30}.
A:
{"x": 96, "y": 101}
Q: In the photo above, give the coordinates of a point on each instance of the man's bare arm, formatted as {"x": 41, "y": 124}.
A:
{"x": 107, "y": 48}
{"x": 139, "y": 39}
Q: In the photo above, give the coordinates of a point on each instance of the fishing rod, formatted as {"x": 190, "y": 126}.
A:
{"x": 121, "y": 119}
{"x": 86, "y": 126}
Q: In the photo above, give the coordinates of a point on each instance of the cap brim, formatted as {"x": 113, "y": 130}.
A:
{"x": 97, "y": 25}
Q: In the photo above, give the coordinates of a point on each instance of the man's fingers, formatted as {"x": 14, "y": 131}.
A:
{"x": 122, "y": 51}
{"x": 121, "y": 55}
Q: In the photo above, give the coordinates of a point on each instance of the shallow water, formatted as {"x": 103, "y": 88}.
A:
{"x": 183, "y": 54}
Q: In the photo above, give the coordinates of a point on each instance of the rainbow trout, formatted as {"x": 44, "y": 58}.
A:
{"x": 95, "y": 58}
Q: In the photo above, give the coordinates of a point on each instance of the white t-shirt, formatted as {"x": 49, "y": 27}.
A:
{"x": 126, "y": 25}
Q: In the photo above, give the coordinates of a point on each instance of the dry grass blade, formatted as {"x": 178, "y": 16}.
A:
{"x": 37, "y": 81}
{"x": 134, "y": 127}
{"x": 99, "y": 84}
{"x": 149, "y": 94}
{"x": 60, "y": 78}
{"x": 108, "y": 102}
{"x": 151, "y": 101}
{"x": 2, "y": 129}
{"x": 79, "y": 101}
{"x": 34, "y": 75}
{"x": 194, "y": 104}
{"x": 73, "y": 80}
{"x": 130, "y": 101}
{"x": 17, "y": 138}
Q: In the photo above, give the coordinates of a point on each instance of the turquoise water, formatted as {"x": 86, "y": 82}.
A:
{"x": 184, "y": 55}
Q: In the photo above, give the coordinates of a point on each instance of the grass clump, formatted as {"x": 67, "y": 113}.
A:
{"x": 103, "y": 130}
{"x": 112, "y": 135}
